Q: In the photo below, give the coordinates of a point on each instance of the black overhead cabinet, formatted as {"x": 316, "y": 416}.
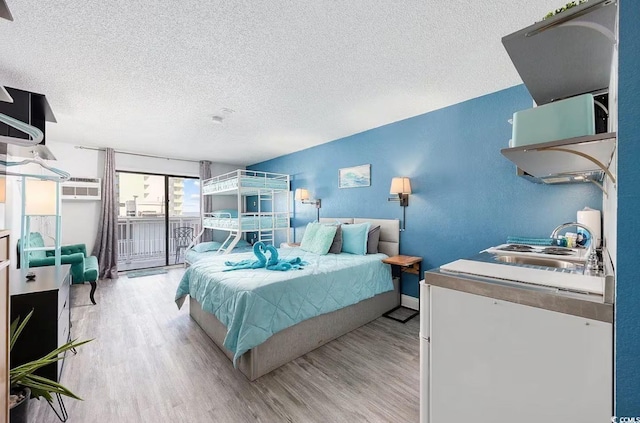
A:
{"x": 31, "y": 108}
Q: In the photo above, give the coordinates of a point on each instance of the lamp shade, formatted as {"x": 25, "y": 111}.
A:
{"x": 40, "y": 197}
{"x": 301, "y": 194}
{"x": 400, "y": 185}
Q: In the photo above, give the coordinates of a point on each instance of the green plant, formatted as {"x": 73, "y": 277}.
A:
{"x": 23, "y": 375}
{"x": 564, "y": 8}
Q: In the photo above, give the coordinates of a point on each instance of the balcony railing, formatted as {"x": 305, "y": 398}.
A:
{"x": 142, "y": 241}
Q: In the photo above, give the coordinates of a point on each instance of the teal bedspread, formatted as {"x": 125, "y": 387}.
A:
{"x": 255, "y": 304}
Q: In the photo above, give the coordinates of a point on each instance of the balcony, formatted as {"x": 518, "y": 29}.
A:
{"x": 142, "y": 243}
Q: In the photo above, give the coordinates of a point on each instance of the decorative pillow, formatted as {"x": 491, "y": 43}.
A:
{"x": 309, "y": 234}
{"x": 203, "y": 247}
{"x": 354, "y": 238}
{"x": 336, "y": 245}
{"x": 373, "y": 238}
{"x": 321, "y": 241}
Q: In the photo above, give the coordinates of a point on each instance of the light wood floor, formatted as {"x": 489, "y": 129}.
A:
{"x": 150, "y": 362}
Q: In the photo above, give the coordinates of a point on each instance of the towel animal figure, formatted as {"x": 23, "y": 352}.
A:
{"x": 258, "y": 251}
{"x": 273, "y": 263}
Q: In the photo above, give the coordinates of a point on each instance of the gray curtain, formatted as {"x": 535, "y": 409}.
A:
{"x": 207, "y": 201}
{"x": 106, "y": 246}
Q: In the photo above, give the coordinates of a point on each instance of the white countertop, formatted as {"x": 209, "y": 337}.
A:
{"x": 560, "y": 280}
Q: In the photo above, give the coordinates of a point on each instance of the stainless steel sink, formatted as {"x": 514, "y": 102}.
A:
{"x": 536, "y": 261}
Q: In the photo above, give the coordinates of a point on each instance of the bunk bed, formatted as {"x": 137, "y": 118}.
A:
{"x": 269, "y": 203}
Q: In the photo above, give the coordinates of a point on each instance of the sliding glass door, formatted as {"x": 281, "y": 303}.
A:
{"x": 158, "y": 217}
{"x": 184, "y": 215}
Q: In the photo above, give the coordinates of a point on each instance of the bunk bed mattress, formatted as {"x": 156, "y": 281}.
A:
{"x": 248, "y": 222}
{"x": 255, "y": 304}
{"x": 245, "y": 182}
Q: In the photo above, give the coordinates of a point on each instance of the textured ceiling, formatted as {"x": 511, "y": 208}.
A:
{"x": 147, "y": 76}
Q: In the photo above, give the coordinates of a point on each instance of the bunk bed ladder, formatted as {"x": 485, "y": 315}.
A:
{"x": 267, "y": 236}
{"x": 230, "y": 243}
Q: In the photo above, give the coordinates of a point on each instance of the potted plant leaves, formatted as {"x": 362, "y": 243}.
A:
{"x": 564, "y": 8}
{"x": 25, "y": 384}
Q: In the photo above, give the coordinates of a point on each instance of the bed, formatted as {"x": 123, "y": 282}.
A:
{"x": 289, "y": 335}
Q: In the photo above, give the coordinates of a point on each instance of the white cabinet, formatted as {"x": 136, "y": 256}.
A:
{"x": 488, "y": 360}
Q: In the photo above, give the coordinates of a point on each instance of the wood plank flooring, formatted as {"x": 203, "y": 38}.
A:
{"x": 150, "y": 362}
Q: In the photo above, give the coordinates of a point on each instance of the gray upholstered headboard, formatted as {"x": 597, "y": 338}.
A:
{"x": 389, "y": 232}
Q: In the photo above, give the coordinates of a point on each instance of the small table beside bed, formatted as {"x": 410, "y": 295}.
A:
{"x": 262, "y": 319}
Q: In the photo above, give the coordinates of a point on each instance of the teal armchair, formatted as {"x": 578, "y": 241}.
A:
{"x": 83, "y": 268}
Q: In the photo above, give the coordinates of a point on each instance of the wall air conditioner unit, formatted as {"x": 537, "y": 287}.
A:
{"x": 81, "y": 189}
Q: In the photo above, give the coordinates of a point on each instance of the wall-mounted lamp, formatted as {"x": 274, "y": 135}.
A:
{"x": 401, "y": 185}
{"x": 302, "y": 195}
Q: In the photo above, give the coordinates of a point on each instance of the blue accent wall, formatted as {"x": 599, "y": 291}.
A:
{"x": 627, "y": 350}
{"x": 466, "y": 195}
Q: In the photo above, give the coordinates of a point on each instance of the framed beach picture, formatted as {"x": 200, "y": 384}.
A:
{"x": 354, "y": 177}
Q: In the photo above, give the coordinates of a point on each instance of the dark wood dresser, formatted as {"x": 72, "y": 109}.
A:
{"x": 49, "y": 326}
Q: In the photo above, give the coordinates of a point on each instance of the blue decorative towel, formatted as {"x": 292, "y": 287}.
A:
{"x": 258, "y": 251}
{"x": 529, "y": 241}
{"x": 273, "y": 255}
{"x": 274, "y": 263}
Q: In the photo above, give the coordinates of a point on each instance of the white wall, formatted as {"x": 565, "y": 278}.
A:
{"x": 132, "y": 163}
{"x": 79, "y": 218}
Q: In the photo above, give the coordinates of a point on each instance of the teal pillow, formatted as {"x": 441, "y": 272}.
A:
{"x": 321, "y": 240}
{"x": 309, "y": 234}
{"x": 354, "y": 238}
{"x": 203, "y": 247}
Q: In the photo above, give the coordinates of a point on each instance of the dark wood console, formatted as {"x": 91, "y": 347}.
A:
{"x": 50, "y": 324}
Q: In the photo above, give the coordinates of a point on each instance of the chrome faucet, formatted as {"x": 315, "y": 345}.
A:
{"x": 592, "y": 257}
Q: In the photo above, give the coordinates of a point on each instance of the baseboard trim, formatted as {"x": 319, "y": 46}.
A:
{"x": 410, "y": 302}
